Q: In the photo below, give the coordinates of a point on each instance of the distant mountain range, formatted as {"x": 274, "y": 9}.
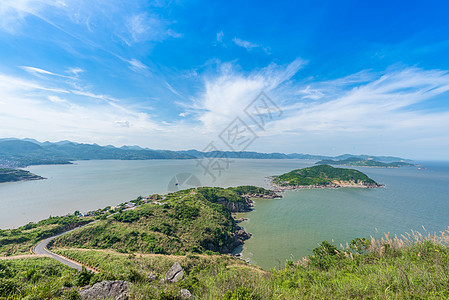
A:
{"x": 360, "y": 162}
{"x": 16, "y": 153}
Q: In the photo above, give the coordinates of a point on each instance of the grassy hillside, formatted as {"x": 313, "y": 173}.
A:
{"x": 322, "y": 175}
{"x": 20, "y": 240}
{"x": 185, "y": 221}
{"x": 416, "y": 267}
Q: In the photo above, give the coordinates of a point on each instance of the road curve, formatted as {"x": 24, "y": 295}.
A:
{"x": 41, "y": 249}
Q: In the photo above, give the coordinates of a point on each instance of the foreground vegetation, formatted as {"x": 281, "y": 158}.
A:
{"x": 413, "y": 267}
{"x": 20, "y": 240}
{"x": 191, "y": 227}
{"x": 322, "y": 175}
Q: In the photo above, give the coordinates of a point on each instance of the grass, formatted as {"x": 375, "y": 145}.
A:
{"x": 412, "y": 266}
{"x": 185, "y": 227}
{"x": 120, "y": 265}
{"x": 20, "y": 240}
{"x": 35, "y": 278}
{"x": 185, "y": 221}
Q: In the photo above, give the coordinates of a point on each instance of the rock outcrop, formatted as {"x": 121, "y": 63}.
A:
{"x": 118, "y": 290}
{"x": 175, "y": 273}
{"x": 185, "y": 294}
{"x": 234, "y": 206}
{"x": 240, "y": 236}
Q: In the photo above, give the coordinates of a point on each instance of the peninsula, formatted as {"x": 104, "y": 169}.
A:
{"x": 323, "y": 176}
{"x": 12, "y": 175}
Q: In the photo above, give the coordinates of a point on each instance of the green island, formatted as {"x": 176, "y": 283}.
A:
{"x": 323, "y": 176}
{"x": 138, "y": 242}
{"x": 360, "y": 162}
{"x": 12, "y": 175}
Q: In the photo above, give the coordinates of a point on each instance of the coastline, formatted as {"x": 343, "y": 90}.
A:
{"x": 333, "y": 185}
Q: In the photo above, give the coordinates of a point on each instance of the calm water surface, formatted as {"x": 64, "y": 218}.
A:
{"x": 281, "y": 228}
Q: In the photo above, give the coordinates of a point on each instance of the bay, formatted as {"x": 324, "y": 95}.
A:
{"x": 282, "y": 228}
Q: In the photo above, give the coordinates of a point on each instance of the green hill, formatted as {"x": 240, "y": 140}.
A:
{"x": 323, "y": 176}
{"x": 11, "y": 175}
{"x": 194, "y": 220}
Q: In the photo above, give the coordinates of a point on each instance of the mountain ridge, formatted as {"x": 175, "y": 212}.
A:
{"x": 16, "y": 153}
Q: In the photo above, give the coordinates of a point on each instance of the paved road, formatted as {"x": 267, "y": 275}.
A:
{"x": 41, "y": 248}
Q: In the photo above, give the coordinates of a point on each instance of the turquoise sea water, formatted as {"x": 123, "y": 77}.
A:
{"x": 281, "y": 228}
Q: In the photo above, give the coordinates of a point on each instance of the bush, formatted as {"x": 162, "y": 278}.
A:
{"x": 83, "y": 277}
{"x": 324, "y": 256}
{"x": 241, "y": 293}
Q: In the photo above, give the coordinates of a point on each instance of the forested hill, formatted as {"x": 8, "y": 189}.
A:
{"x": 11, "y": 175}
{"x": 323, "y": 176}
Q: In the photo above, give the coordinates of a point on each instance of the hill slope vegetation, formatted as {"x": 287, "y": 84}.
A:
{"x": 323, "y": 176}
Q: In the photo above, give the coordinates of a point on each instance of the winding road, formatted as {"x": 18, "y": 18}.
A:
{"x": 41, "y": 249}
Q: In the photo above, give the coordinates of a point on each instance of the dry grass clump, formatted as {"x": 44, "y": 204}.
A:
{"x": 404, "y": 241}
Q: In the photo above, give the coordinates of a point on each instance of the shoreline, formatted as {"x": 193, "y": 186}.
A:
{"x": 333, "y": 186}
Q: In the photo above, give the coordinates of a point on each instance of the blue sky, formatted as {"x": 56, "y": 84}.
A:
{"x": 349, "y": 76}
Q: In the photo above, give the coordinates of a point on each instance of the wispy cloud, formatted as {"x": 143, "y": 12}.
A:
{"x": 220, "y": 35}
{"x": 249, "y": 45}
{"x": 13, "y": 13}
{"x": 61, "y": 112}
{"x": 39, "y": 72}
{"x": 138, "y": 66}
{"x": 144, "y": 27}
{"x": 390, "y": 109}
{"x": 226, "y": 94}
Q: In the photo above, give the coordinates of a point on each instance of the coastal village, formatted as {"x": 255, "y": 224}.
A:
{"x": 153, "y": 199}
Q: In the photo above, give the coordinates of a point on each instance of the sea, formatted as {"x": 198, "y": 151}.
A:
{"x": 282, "y": 229}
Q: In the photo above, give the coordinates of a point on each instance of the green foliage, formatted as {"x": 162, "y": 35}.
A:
{"x": 188, "y": 220}
{"x": 419, "y": 271}
{"x": 251, "y": 190}
{"x": 10, "y": 175}
{"x": 20, "y": 240}
{"x": 241, "y": 293}
{"x": 324, "y": 256}
{"x": 83, "y": 277}
{"x": 186, "y": 212}
{"x": 34, "y": 278}
{"x": 321, "y": 175}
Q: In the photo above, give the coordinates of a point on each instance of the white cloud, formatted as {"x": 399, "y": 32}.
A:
{"x": 13, "y": 13}
{"x": 226, "y": 95}
{"x": 382, "y": 114}
{"x": 138, "y": 66}
{"x": 245, "y": 44}
{"x": 39, "y": 72}
{"x": 310, "y": 93}
{"x": 75, "y": 71}
{"x": 30, "y": 108}
{"x": 145, "y": 27}
{"x": 249, "y": 45}
{"x": 220, "y": 36}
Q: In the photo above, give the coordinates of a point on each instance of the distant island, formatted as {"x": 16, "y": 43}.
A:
{"x": 361, "y": 162}
{"x": 323, "y": 176}
{"x": 12, "y": 175}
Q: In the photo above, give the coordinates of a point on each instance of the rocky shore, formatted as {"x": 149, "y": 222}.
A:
{"x": 240, "y": 235}
{"x": 331, "y": 185}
